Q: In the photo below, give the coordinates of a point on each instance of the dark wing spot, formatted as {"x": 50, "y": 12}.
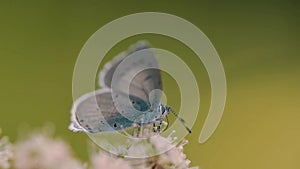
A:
{"x": 148, "y": 77}
{"x": 115, "y": 125}
{"x": 88, "y": 127}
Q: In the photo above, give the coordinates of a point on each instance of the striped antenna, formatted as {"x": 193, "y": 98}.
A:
{"x": 181, "y": 119}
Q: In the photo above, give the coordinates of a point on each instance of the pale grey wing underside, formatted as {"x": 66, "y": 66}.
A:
{"x": 137, "y": 74}
{"x": 95, "y": 112}
{"x": 131, "y": 93}
{"x": 106, "y": 74}
{"x": 137, "y": 70}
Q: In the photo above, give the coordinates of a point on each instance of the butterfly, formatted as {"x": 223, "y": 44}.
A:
{"x": 130, "y": 94}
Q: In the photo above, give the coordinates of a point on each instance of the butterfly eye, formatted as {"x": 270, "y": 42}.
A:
{"x": 162, "y": 109}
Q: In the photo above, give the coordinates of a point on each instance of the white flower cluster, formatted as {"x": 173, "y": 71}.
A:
{"x": 169, "y": 155}
{"x": 41, "y": 151}
{"x": 102, "y": 160}
{"x": 6, "y": 152}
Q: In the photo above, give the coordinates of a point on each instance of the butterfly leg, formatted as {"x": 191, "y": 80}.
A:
{"x": 136, "y": 129}
{"x": 139, "y": 130}
{"x": 154, "y": 127}
{"x": 157, "y": 128}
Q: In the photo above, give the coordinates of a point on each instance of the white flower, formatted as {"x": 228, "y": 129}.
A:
{"x": 153, "y": 151}
{"x": 172, "y": 155}
{"x": 43, "y": 152}
{"x": 103, "y": 161}
{"x": 6, "y": 152}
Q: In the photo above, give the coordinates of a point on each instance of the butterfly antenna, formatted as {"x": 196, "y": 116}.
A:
{"x": 181, "y": 120}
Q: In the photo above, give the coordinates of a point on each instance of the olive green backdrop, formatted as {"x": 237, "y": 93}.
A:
{"x": 258, "y": 43}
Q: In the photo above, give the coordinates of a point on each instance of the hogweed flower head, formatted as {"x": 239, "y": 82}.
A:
{"x": 154, "y": 150}
{"x": 40, "y": 151}
{"x": 102, "y": 160}
{"x": 6, "y": 152}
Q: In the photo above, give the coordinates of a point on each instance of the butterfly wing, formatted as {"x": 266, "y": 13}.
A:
{"x": 134, "y": 74}
{"x": 95, "y": 112}
{"x": 106, "y": 74}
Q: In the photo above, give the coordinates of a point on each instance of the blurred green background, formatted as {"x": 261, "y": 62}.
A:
{"x": 258, "y": 43}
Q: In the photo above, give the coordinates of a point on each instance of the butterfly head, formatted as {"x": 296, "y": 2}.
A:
{"x": 164, "y": 110}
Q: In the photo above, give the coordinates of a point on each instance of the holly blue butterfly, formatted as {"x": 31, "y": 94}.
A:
{"x": 130, "y": 94}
